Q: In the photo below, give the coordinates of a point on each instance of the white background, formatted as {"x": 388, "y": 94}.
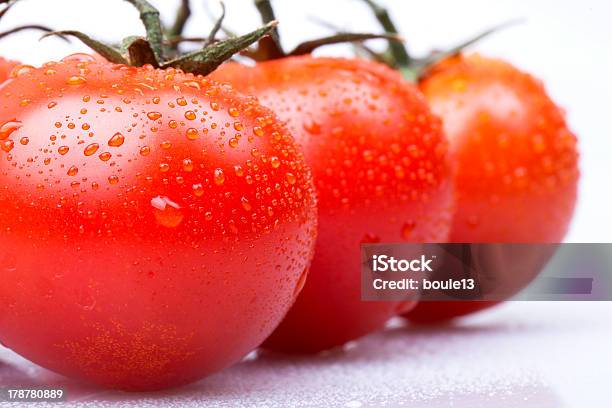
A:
{"x": 534, "y": 354}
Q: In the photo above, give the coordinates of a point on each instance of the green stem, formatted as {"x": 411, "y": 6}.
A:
{"x": 270, "y": 46}
{"x": 150, "y": 18}
{"x": 309, "y": 46}
{"x": 29, "y": 27}
{"x": 109, "y": 53}
{"x": 205, "y": 61}
{"x": 182, "y": 15}
{"x": 218, "y": 25}
{"x": 397, "y": 50}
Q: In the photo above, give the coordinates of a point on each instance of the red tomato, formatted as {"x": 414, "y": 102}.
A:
{"x": 6, "y": 66}
{"x": 154, "y": 226}
{"x": 516, "y": 160}
{"x": 379, "y": 160}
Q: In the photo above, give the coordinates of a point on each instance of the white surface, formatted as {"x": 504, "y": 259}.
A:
{"x": 544, "y": 355}
{"x": 565, "y": 42}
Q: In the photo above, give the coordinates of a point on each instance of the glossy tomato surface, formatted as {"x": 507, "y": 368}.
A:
{"x": 516, "y": 159}
{"x": 379, "y": 161}
{"x": 154, "y": 226}
{"x": 6, "y": 66}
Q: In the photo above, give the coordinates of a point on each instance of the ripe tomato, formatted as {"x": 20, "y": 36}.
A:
{"x": 379, "y": 160}
{"x": 6, "y": 66}
{"x": 516, "y": 161}
{"x": 154, "y": 226}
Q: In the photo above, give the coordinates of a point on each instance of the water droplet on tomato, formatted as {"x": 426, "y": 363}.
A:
{"x": 290, "y": 178}
{"x": 105, "y": 156}
{"x": 76, "y": 80}
{"x": 198, "y": 190}
{"x": 258, "y": 131}
{"x": 238, "y": 170}
{"x": 312, "y": 127}
{"x": 219, "y": 176}
{"x": 166, "y": 212}
{"x": 245, "y": 204}
{"x": 234, "y": 112}
{"x": 72, "y": 171}
{"x": 192, "y": 134}
{"x": 187, "y": 165}
{"x": 20, "y": 70}
{"x": 9, "y": 127}
{"x": 299, "y": 285}
{"x": 117, "y": 140}
{"x": 91, "y": 149}
{"x": 7, "y": 145}
{"x": 154, "y": 115}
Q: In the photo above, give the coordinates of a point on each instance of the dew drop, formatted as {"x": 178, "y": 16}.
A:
{"x": 167, "y": 213}
{"x": 187, "y": 165}
{"x": 117, "y": 140}
{"x": 105, "y": 156}
{"x": 91, "y": 149}
{"x": 258, "y": 131}
{"x": 192, "y": 134}
{"x": 290, "y": 178}
{"x": 154, "y": 115}
{"x": 7, "y": 145}
{"x": 198, "y": 190}
{"x": 219, "y": 176}
{"x": 145, "y": 150}
{"x": 76, "y": 80}
{"x": 63, "y": 150}
{"x": 72, "y": 171}
{"x": 20, "y": 70}
{"x": 300, "y": 283}
{"x": 9, "y": 127}
{"x": 245, "y": 204}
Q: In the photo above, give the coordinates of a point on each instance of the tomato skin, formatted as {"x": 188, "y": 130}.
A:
{"x": 379, "y": 162}
{"x": 516, "y": 160}
{"x": 167, "y": 261}
{"x": 6, "y": 66}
